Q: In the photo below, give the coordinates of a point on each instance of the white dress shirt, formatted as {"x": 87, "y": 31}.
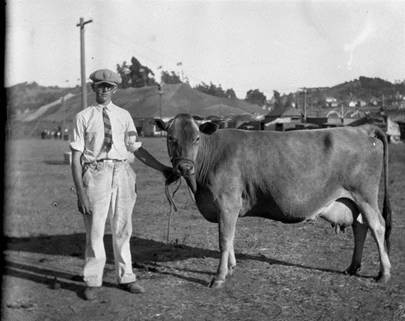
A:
{"x": 88, "y": 133}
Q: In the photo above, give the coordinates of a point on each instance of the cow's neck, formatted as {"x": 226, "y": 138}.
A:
{"x": 204, "y": 158}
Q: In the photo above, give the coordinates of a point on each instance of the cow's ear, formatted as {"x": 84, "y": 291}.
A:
{"x": 161, "y": 124}
{"x": 208, "y": 128}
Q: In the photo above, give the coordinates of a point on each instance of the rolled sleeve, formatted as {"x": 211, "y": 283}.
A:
{"x": 130, "y": 125}
{"x": 77, "y": 142}
{"x": 132, "y": 136}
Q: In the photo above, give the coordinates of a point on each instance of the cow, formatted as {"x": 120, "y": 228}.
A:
{"x": 285, "y": 176}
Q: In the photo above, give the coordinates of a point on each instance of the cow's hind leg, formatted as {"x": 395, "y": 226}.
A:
{"x": 376, "y": 224}
{"x": 359, "y": 235}
{"x": 227, "y": 225}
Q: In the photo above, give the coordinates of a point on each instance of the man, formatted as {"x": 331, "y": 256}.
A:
{"x": 103, "y": 137}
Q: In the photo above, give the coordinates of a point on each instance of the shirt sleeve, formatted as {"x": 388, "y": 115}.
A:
{"x": 132, "y": 136}
{"x": 77, "y": 142}
{"x": 130, "y": 125}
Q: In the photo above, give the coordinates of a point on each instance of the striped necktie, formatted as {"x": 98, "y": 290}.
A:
{"x": 107, "y": 131}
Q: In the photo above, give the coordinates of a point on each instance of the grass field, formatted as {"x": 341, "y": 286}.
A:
{"x": 284, "y": 272}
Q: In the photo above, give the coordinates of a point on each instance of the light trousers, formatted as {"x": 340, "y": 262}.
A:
{"x": 112, "y": 194}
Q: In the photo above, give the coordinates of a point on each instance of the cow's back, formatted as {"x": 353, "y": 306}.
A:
{"x": 288, "y": 176}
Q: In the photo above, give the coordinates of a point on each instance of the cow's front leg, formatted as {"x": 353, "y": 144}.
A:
{"x": 227, "y": 226}
{"x": 231, "y": 261}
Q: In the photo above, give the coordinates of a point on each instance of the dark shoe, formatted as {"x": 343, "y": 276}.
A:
{"x": 90, "y": 293}
{"x": 131, "y": 287}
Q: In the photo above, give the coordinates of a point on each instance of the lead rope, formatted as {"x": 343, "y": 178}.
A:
{"x": 173, "y": 207}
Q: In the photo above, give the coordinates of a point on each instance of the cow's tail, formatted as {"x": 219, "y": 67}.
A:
{"x": 386, "y": 213}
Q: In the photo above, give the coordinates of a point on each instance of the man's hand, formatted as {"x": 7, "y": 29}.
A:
{"x": 170, "y": 175}
{"x": 83, "y": 204}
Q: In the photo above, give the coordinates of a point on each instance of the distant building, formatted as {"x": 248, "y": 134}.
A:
{"x": 374, "y": 101}
{"x": 337, "y": 122}
{"x": 352, "y": 103}
{"x": 317, "y": 120}
{"x": 401, "y": 104}
{"x": 393, "y": 131}
{"x": 362, "y": 103}
{"x": 331, "y": 102}
{"x": 289, "y": 113}
{"x": 282, "y": 120}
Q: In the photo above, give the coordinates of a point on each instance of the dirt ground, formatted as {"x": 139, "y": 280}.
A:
{"x": 284, "y": 272}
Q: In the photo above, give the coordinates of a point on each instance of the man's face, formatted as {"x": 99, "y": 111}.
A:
{"x": 104, "y": 93}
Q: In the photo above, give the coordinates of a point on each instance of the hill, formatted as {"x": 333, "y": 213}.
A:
{"x": 146, "y": 102}
{"x": 179, "y": 98}
{"x": 363, "y": 92}
{"x": 28, "y": 97}
{"x": 366, "y": 88}
{"x": 143, "y": 102}
{"x": 43, "y": 107}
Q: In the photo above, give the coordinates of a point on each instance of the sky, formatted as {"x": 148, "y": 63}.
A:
{"x": 265, "y": 45}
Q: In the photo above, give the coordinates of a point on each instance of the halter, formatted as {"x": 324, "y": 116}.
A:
{"x": 176, "y": 161}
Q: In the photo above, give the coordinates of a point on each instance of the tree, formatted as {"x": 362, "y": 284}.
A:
{"x": 136, "y": 74}
{"x": 124, "y": 72}
{"x": 170, "y": 78}
{"x": 203, "y": 87}
{"x": 276, "y": 100}
{"x": 215, "y": 90}
{"x": 230, "y": 93}
{"x": 146, "y": 80}
{"x": 255, "y": 97}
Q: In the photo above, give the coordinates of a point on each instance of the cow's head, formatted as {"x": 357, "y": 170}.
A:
{"x": 183, "y": 142}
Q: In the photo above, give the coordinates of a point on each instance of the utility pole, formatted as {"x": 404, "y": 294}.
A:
{"x": 383, "y": 103}
{"x": 305, "y": 103}
{"x": 64, "y": 116}
{"x": 81, "y": 24}
{"x": 160, "y": 91}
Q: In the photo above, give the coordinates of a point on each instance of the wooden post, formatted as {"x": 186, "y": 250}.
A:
{"x": 305, "y": 105}
{"x": 81, "y": 24}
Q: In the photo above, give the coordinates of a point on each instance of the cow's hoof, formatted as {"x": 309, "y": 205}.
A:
{"x": 216, "y": 284}
{"x": 382, "y": 278}
{"x": 352, "y": 270}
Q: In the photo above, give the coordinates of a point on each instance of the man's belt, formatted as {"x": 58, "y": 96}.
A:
{"x": 108, "y": 160}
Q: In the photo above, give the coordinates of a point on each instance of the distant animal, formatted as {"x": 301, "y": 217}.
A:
{"x": 285, "y": 176}
{"x": 44, "y": 134}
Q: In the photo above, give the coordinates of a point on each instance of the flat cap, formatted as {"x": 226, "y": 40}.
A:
{"x": 105, "y": 76}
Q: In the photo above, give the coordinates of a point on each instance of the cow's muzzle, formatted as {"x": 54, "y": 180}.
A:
{"x": 185, "y": 167}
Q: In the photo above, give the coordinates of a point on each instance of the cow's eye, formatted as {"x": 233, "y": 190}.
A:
{"x": 172, "y": 140}
{"x": 196, "y": 140}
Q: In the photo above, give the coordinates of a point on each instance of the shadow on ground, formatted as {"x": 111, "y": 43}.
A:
{"x": 56, "y": 162}
{"x": 147, "y": 255}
